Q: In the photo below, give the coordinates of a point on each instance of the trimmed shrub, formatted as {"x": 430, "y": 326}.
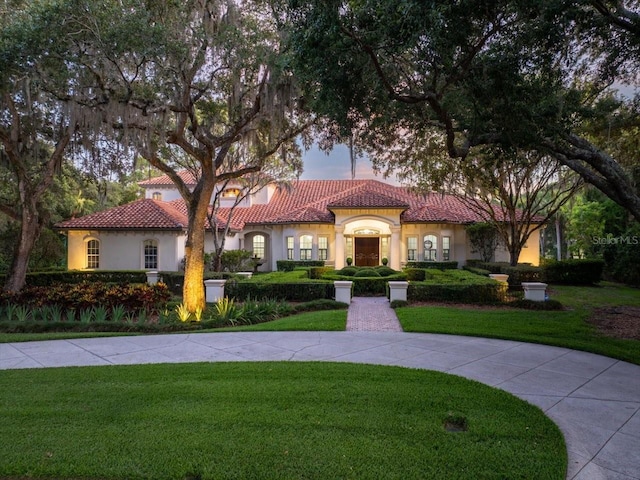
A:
{"x": 321, "y": 304}
{"x": 477, "y": 271}
{"x": 398, "y": 303}
{"x": 292, "y": 292}
{"x": 533, "y": 305}
{"x": 175, "y": 280}
{"x": 316, "y": 273}
{"x": 347, "y": 271}
{"x": 573, "y": 272}
{"x": 437, "y": 265}
{"x": 385, "y": 271}
{"x": 289, "y": 265}
{"x": 415, "y": 274}
{"x": 367, "y": 272}
{"x": 44, "y": 279}
{"x": 489, "y": 293}
{"x": 523, "y": 273}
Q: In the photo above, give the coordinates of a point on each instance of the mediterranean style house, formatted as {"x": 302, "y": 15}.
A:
{"x": 328, "y": 220}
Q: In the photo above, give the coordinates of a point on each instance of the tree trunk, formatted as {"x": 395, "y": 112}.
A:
{"x": 193, "y": 294}
{"x": 29, "y": 232}
{"x": 558, "y": 240}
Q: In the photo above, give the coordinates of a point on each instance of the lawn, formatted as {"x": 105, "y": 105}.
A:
{"x": 268, "y": 421}
{"x": 566, "y": 328}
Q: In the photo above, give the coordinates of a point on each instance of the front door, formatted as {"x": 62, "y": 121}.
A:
{"x": 367, "y": 251}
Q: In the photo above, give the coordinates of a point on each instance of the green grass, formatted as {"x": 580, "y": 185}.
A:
{"x": 606, "y": 294}
{"x": 561, "y": 328}
{"x": 325, "y": 320}
{"x": 300, "y": 420}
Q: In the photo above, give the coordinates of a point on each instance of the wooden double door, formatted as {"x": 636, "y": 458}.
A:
{"x": 367, "y": 251}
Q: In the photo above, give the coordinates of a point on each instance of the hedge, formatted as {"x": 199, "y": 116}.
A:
{"x": 476, "y": 270}
{"x": 291, "y": 292}
{"x": 437, "y": 265}
{"x": 574, "y": 272}
{"x": 45, "y": 279}
{"x": 289, "y": 265}
{"x": 490, "y": 293}
{"x": 175, "y": 280}
{"x": 369, "y": 286}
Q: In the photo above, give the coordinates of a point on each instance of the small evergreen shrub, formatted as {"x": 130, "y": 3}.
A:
{"x": 367, "y": 272}
{"x": 347, "y": 271}
{"x": 321, "y": 304}
{"x": 398, "y": 304}
{"x": 385, "y": 271}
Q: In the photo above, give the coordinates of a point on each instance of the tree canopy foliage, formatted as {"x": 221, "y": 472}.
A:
{"x": 517, "y": 74}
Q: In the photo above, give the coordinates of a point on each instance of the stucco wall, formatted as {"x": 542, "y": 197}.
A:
{"x": 124, "y": 251}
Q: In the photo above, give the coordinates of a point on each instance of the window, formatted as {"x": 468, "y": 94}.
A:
{"x": 306, "y": 244}
{"x": 446, "y": 249}
{"x": 430, "y": 247}
{"x": 258, "y": 246}
{"x": 93, "y": 254}
{"x": 412, "y": 249}
{"x": 290, "y": 249}
{"x": 150, "y": 255}
{"x": 323, "y": 248}
{"x": 384, "y": 247}
{"x": 157, "y": 196}
{"x": 231, "y": 193}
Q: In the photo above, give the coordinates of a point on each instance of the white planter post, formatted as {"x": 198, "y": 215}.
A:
{"x": 535, "y": 291}
{"x": 398, "y": 291}
{"x": 214, "y": 290}
{"x": 501, "y": 277}
{"x": 152, "y": 277}
{"x": 343, "y": 291}
{"x": 245, "y": 274}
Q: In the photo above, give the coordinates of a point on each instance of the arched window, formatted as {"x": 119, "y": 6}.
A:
{"x": 93, "y": 254}
{"x": 430, "y": 247}
{"x": 150, "y": 254}
{"x": 156, "y": 196}
{"x": 306, "y": 244}
{"x": 258, "y": 246}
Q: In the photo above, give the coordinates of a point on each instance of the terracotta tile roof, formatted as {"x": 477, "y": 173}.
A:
{"x": 309, "y": 201}
{"x": 164, "y": 181}
{"x": 145, "y": 214}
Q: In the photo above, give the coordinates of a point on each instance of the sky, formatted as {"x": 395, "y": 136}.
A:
{"x": 336, "y": 165}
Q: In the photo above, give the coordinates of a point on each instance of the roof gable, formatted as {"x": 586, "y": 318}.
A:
{"x": 145, "y": 214}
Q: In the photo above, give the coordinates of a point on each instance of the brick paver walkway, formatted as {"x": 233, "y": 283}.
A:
{"x": 372, "y": 314}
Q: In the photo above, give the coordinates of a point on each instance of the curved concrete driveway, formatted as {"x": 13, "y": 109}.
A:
{"x": 594, "y": 400}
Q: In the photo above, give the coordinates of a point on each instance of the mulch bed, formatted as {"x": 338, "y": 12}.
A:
{"x": 617, "y": 322}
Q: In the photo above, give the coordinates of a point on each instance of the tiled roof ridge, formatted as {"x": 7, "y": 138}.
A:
{"x": 141, "y": 213}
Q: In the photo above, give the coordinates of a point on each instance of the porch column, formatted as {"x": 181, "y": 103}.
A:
{"x": 394, "y": 248}
{"x": 339, "y": 247}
